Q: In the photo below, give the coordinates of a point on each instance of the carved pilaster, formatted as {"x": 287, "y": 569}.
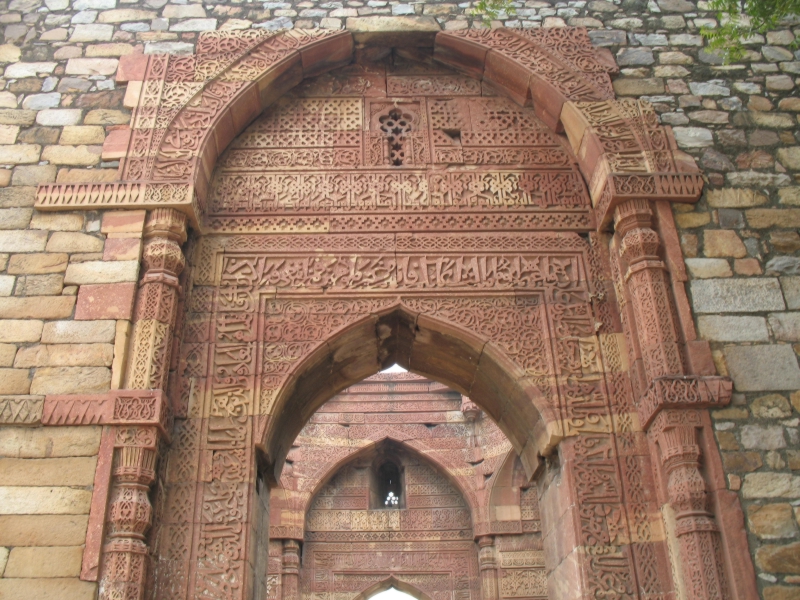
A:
{"x": 290, "y": 583}
{"x": 130, "y": 512}
{"x": 649, "y": 290}
{"x": 487, "y": 563}
{"x": 157, "y": 300}
{"x": 675, "y": 433}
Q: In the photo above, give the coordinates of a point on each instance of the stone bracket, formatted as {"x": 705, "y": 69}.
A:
{"x": 683, "y": 392}
{"x": 117, "y": 407}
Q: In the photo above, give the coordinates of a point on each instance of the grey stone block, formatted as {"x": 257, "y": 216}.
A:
{"x": 763, "y": 368}
{"x": 755, "y": 294}
{"x": 717, "y": 328}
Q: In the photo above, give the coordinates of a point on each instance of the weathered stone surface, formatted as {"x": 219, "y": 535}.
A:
{"x": 771, "y": 406}
{"x": 638, "y": 87}
{"x": 57, "y": 221}
{"x": 15, "y": 218}
{"x": 92, "y": 33}
{"x": 20, "y": 500}
{"x": 102, "y": 272}
{"x": 705, "y": 268}
{"x": 791, "y": 291}
{"x": 71, "y": 471}
{"x": 39, "y": 285}
{"x": 92, "y": 66}
{"x": 779, "y": 559}
{"x": 736, "y": 295}
{"x": 42, "y": 530}
{"x": 39, "y": 263}
{"x": 7, "y": 354}
{"x": 72, "y": 155}
{"x": 763, "y": 437}
{"x": 772, "y": 521}
{"x": 47, "y": 589}
{"x": 20, "y": 330}
{"x": 761, "y": 368}
{"x": 780, "y": 592}
{"x": 723, "y": 243}
{"x": 392, "y": 30}
{"x": 78, "y": 332}
{"x": 74, "y": 242}
{"x": 693, "y": 137}
{"x": 65, "y": 355}
{"x": 14, "y": 381}
{"x": 20, "y": 154}
{"x": 31, "y": 562}
{"x": 107, "y": 301}
{"x": 42, "y": 307}
{"x": 106, "y": 117}
{"x": 22, "y": 241}
{"x": 790, "y": 157}
{"x": 58, "y": 117}
{"x": 71, "y": 380}
{"x": 49, "y": 442}
{"x": 34, "y": 175}
{"x": 7, "y": 284}
{"x": 717, "y": 328}
{"x": 82, "y": 135}
{"x": 785, "y": 326}
{"x": 771, "y": 485}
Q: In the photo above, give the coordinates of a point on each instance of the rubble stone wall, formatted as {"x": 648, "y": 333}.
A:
{"x": 67, "y": 280}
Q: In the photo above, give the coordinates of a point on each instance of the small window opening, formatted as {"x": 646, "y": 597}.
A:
{"x": 395, "y": 126}
{"x": 389, "y": 486}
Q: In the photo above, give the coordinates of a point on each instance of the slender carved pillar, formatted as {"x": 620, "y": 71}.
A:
{"x": 157, "y": 300}
{"x": 136, "y": 448}
{"x": 667, "y": 404}
{"x": 649, "y": 290}
{"x": 487, "y": 563}
{"x": 675, "y": 433}
{"x": 129, "y": 514}
{"x": 290, "y": 583}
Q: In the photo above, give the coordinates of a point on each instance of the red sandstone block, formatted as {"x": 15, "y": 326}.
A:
{"x": 509, "y": 75}
{"x": 132, "y": 67}
{"x": 460, "y": 53}
{"x": 327, "y": 54}
{"x": 105, "y": 301}
{"x": 123, "y": 221}
{"x": 122, "y": 248}
{"x": 115, "y": 146}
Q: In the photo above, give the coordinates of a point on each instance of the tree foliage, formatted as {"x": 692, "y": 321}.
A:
{"x": 490, "y": 10}
{"x": 740, "y": 20}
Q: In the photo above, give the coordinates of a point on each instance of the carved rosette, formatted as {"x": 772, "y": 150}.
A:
{"x": 675, "y": 433}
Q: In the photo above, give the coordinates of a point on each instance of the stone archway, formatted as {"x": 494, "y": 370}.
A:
{"x": 611, "y": 406}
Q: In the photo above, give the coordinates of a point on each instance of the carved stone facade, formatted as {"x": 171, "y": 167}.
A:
{"x": 468, "y": 525}
{"x": 419, "y": 208}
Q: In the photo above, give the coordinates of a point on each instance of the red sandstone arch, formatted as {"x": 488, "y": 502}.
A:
{"x": 413, "y": 447}
{"x": 187, "y": 109}
{"x": 392, "y": 582}
{"x": 416, "y": 447}
{"x": 464, "y": 360}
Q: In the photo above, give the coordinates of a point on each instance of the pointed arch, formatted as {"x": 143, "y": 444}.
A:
{"x": 187, "y": 109}
{"x": 427, "y": 344}
{"x": 392, "y": 582}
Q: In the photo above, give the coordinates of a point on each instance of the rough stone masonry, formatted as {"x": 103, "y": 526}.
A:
{"x": 59, "y": 101}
